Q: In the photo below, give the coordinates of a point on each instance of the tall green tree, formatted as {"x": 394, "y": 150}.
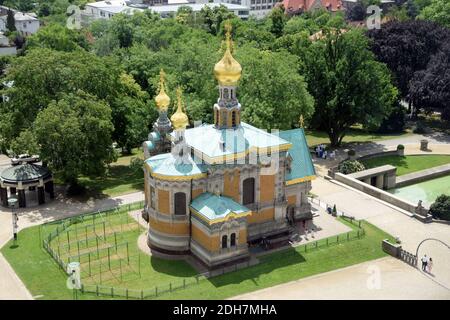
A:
{"x": 10, "y": 21}
{"x": 437, "y": 11}
{"x": 272, "y": 93}
{"x": 57, "y": 37}
{"x": 74, "y": 134}
{"x": 348, "y": 85}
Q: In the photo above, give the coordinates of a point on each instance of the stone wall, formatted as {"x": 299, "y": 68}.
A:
{"x": 375, "y": 192}
{"x": 422, "y": 175}
{"x": 392, "y": 249}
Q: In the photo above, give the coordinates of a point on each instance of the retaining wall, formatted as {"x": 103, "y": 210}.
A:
{"x": 423, "y": 175}
{"x": 375, "y": 192}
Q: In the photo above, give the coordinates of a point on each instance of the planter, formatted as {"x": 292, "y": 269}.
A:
{"x": 424, "y": 145}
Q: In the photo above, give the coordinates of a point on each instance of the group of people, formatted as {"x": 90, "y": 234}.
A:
{"x": 427, "y": 264}
{"x": 322, "y": 153}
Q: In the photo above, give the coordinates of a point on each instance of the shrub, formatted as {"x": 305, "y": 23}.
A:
{"x": 136, "y": 164}
{"x": 351, "y": 152}
{"x": 395, "y": 122}
{"x": 420, "y": 128}
{"x": 440, "y": 209}
{"x": 350, "y": 166}
{"x": 400, "y": 147}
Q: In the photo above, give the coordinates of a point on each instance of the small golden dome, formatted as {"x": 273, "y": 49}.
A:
{"x": 162, "y": 99}
{"x": 179, "y": 119}
{"x": 228, "y": 70}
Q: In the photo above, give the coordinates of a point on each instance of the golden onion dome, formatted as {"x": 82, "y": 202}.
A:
{"x": 179, "y": 119}
{"x": 228, "y": 71}
{"x": 162, "y": 99}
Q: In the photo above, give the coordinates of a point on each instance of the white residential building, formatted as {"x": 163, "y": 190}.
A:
{"x": 107, "y": 9}
{"x": 258, "y": 8}
{"x": 25, "y": 23}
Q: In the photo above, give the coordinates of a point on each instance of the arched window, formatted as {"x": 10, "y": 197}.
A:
{"x": 233, "y": 240}
{"x": 233, "y": 119}
{"x": 248, "y": 187}
{"x": 224, "y": 242}
{"x": 180, "y": 203}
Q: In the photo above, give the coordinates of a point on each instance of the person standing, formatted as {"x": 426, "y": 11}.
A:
{"x": 424, "y": 263}
{"x": 430, "y": 265}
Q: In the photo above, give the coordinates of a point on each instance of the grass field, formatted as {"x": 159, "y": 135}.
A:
{"x": 408, "y": 164}
{"x": 44, "y": 278}
{"x": 354, "y": 135}
{"x": 121, "y": 179}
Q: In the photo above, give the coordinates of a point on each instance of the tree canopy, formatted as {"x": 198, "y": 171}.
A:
{"x": 348, "y": 85}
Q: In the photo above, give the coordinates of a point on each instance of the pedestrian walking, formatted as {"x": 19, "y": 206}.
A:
{"x": 424, "y": 263}
{"x": 430, "y": 265}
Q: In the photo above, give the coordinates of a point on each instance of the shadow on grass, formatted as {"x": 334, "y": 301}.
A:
{"x": 268, "y": 265}
{"x": 176, "y": 268}
{"x": 119, "y": 177}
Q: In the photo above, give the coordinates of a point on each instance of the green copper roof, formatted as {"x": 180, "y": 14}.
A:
{"x": 25, "y": 172}
{"x": 301, "y": 166}
{"x": 211, "y": 207}
{"x": 208, "y": 140}
{"x": 164, "y": 165}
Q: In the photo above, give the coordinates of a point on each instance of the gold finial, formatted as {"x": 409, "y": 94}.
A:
{"x": 162, "y": 99}
{"x": 228, "y": 70}
{"x": 179, "y": 119}
{"x": 228, "y": 41}
{"x": 301, "y": 121}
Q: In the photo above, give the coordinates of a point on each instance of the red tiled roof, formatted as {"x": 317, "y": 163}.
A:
{"x": 299, "y": 5}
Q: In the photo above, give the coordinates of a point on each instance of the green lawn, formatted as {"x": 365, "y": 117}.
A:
{"x": 354, "y": 135}
{"x": 44, "y": 278}
{"x": 408, "y": 164}
{"x": 121, "y": 179}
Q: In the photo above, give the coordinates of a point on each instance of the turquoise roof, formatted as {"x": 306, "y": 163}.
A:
{"x": 302, "y": 165}
{"x": 212, "y": 207}
{"x": 150, "y": 145}
{"x": 207, "y": 140}
{"x": 164, "y": 164}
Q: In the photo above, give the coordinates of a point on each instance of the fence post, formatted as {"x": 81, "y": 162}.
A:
{"x": 109, "y": 260}
{"x": 68, "y": 239}
{"x": 126, "y": 292}
{"x": 112, "y": 292}
{"x": 156, "y": 291}
{"x": 96, "y": 241}
{"x": 86, "y": 233}
{"x": 142, "y": 294}
{"x": 337, "y": 238}
{"x": 327, "y": 242}
{"x": 115, "y": 240}
{"x": 358, "y": 234}
{"x": 104, "y": 232}
{"x": 120, "y": 266}
{"x": 359, "y": 224}
{"x": 128, "y": 256}
{"x": 184, "y": 283}
{"x": 348, "y": 236}
{"x": 89, "y": 259}
{"x": 170, "y": 287}
{"x": 96, "y": 289}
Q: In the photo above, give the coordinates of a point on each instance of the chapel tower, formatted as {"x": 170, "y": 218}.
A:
{"x": 227, "y": 110}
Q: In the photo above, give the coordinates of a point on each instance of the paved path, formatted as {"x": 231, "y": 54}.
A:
{"x": 360, "y": 282}
{"x": 401, "y": 280}
{"x": 411, "y": 143}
